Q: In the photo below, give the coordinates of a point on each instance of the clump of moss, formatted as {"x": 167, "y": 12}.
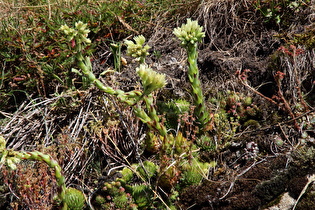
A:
{"x": 307, "y": 201}
{"x": 307, "y": 38}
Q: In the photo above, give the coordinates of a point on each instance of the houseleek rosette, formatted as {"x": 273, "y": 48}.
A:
{"x": 190, "y": 34}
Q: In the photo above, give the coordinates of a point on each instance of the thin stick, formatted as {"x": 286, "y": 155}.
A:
{"x": 241, "y": 174}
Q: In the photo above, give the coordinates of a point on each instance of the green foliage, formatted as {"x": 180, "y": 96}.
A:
{"x": 193, "y": 172}
{"x": 235, "y": 111}
{"x": 177, "y": 145}
{"x": 148, "y": 170}
{"x": 206, "y": 143}
{"x": 114, "y": 194}
{"x": 127, "y": 191}
{"x": 173, "y": 110}
{"x": 174, "y": 152}
{"x": 116, "y": 50}
{"x": 142, "y": 195}
{"x": 277, "y": 11}
{"x": 127, "y": 174}
{"x": 35, "y": 57}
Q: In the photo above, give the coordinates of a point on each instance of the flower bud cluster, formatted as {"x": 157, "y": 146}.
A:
{"x": 79, "y": 33}
{"x": 8, "y": 157}
{"x": 151, "y": 80}
{"x": 137, "y": 49}
{"x": 190, "y": 33}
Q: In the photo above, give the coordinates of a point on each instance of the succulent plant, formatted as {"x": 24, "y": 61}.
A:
{"x": 151, "y": 80}
{"x": 79, "y": 33}
{"x": 137, "y": 49}
{"x": 74, "y": 199}
{"x": 190, "y": 34}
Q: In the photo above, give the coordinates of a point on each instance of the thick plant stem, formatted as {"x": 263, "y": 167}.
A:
{"x": 201, "y": 112}
{"x": 129, "y": 98}
{"x": 155, "y": 120}
{"x": 150, "y": 117}
{"x": 36, "y": 155}
{"x": 11, "y": 158}
{"x": 190, "y": 34}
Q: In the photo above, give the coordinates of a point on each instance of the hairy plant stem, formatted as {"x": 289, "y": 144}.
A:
{"x": 36, "y": 155}
{"x": 150, "y": 116}
{"x": 129, "y": 98}
{"x": 154, "y": 117}
{"x": 11, "y": 158}
{"x": 201, "y": 113}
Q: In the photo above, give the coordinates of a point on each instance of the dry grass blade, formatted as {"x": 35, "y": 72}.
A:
{"x": 221, "y": 18}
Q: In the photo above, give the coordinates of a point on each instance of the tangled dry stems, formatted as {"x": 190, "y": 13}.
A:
{"x": 76, "y": 138}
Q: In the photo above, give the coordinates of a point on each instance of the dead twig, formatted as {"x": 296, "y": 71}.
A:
{"x": 239, "y": 175}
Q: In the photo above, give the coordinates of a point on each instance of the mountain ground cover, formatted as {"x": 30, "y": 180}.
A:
{"x": 125, "y": 144}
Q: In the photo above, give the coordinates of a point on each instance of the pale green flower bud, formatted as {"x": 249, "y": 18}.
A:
{"x": 81, "y": 27}
{"x": 70, "y": 32}
{"x": 2, "y": 142}
{"x": 140, "y": 40}
{"x": 151, "y": 80}
{"x": 80, "y": 33}
{"x": 11, "y": 164}
{"x": 136, "y": 49}
{"x": 189, "y": 33}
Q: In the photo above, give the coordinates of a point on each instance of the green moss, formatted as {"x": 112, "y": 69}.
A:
{"x": 252, "y": 123}
{"x": 307, "y": 38}
{"x": 271, "y": 189}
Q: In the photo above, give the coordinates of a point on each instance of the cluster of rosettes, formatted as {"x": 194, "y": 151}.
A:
{"x": 251, "y": 150}
{"x": 137, "y": 49}
{"x": 150, "y": 79}
{"x": 79, "y": 33}
{"x": 190, "y": 33}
